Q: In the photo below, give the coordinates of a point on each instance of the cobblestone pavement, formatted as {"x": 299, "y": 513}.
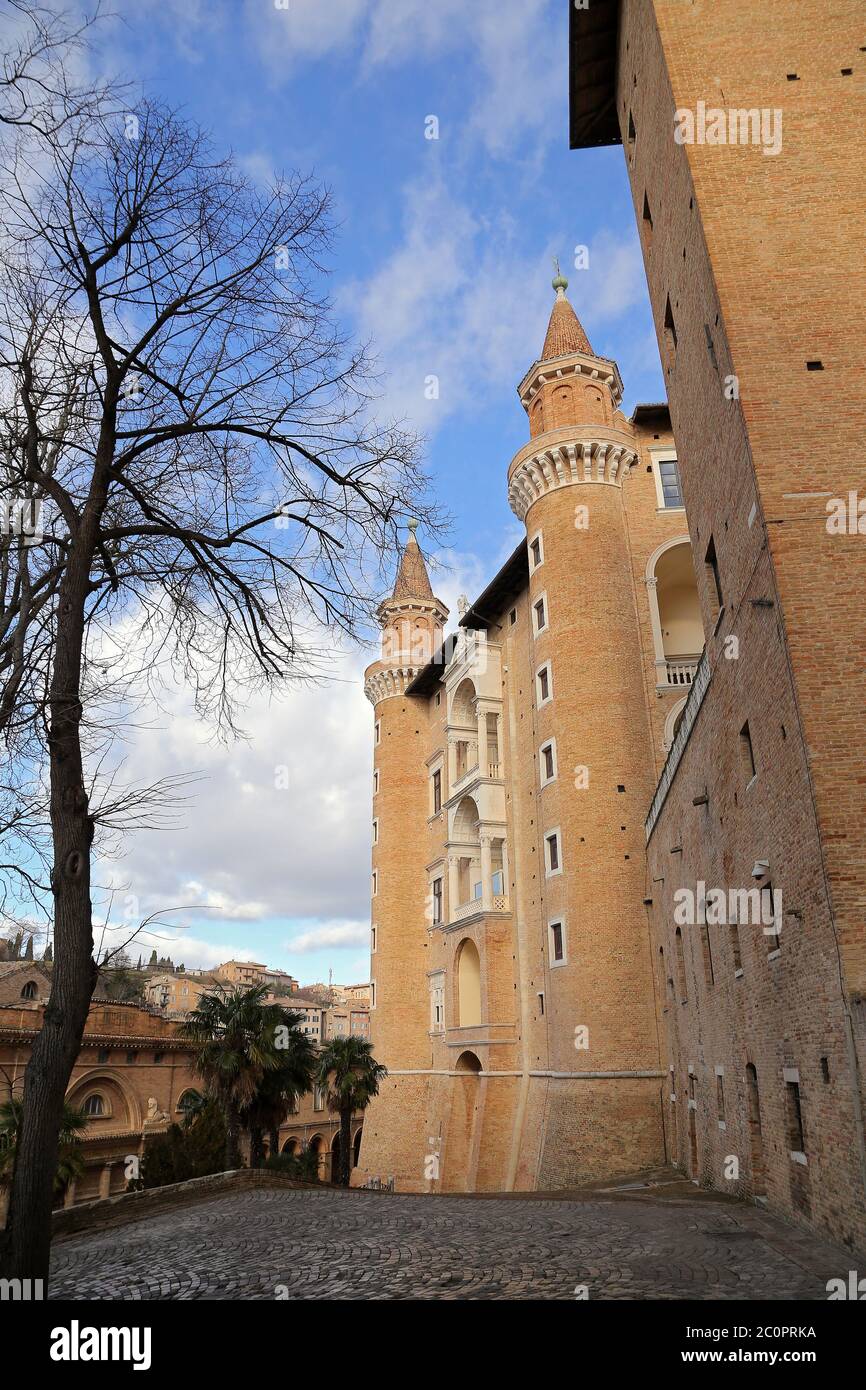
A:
{"x": 340, "y": 1245}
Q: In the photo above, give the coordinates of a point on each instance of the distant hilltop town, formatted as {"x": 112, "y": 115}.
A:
{"x": 135, "y": 1072}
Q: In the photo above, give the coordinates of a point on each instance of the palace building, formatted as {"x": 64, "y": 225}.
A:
{"x": 514, "y": 996}
{"x": 649, "y": 729}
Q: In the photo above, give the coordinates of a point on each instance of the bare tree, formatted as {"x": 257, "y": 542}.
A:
{"x": 195, "y": 437}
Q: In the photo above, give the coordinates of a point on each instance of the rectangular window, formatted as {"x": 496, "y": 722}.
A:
{"x": 498, "y": 881}
{"x": 712, "y": 569}
{"x": 747, "y": 753}
{"x": 437, "y": 1003}
{"x": 539, "y": 614}
{"x": 707, "y": 948}
{"x": 772, "y": 927}
{"x": 372, "y": 994}
{"x": 536, "y": 552}
{"x": 373, "y": 940}
{"x": 377, "y": 731}
{"x": 796, "y": 1136}
{"x": 375, "y": 780}
{"x": 375, "y": 883}
{"x": 544, "y": 683}
{"x": 375, "y": 832}
{"x": 647, "y": 221}
{"x": 720, "y": 1095}
{"x": 548, "y": 762}
{"x": 669, "y": 483}
{"x": 437, "y": 901}
{"x": 556, "y": 942}
{"x": 437, "y": 791}
{"x": 552, "y": 853}
{"x": 670, "y": 333}
{"x": 318, "y": 1098}
{"x": 541, "y": 1002}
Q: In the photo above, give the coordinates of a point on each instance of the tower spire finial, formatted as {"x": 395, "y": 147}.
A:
{"x": 559, "y": 282}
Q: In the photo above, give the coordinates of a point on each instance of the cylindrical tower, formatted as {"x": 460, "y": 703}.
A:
{"x": 412, "y": 630}
{"x": 593, "y": 767}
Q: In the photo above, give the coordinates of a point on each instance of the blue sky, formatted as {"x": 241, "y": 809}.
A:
{"x": 443, "y": 259}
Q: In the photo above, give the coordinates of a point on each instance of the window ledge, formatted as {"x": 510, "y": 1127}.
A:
{"x": 797, "y": 1157}
{"x": 774, "y": 955}
{"x": 738, "y": 974}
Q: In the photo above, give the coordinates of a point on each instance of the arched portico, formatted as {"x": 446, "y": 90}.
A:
{"x": 675, "y": 613}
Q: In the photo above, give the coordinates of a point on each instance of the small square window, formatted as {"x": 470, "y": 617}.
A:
{"x": 552, "y": 853}
{"x": 536, "y": 552}
{"x": 556, "y": 942}
{"x": 539, "y": 614}
{"x": 548, "y": 762}
{"x": 544, "y": 682}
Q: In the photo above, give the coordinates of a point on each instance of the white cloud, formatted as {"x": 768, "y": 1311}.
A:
{"x": 459, "y": 300}
{"x": 303, "y": 29}
{"x": 341, "y": 936}
{"x": 519, "y": 51}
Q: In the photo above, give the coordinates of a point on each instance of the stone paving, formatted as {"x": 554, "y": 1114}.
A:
{"x": 328, "y": 1244}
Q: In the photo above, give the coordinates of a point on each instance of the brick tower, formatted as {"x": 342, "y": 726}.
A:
{"x": 582, "y": 860}
{"x": 412, "y": 628}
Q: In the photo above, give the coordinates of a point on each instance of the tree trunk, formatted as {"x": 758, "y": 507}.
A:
{"x": 27, "y": 1243}
{"x": 257, "y": 1147}
{"x": 345, "y": 1146}
{"x": 233, "y": 1154}
{"x": 274, "y": 1140}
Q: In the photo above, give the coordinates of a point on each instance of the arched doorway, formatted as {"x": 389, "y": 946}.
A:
{"x": 291, "y": 1147}
{"x": 335, "y": 1157}
{"x": 465, "y": 1123}
{"x": 468, "y": 988}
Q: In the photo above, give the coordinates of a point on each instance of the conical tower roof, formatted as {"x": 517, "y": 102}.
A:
{"x": 564, "y": 331}
{"x": 412, "y": 580}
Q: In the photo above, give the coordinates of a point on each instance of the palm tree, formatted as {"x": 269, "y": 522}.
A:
{"x": 279, "y": 1087}
{"x": 70, "y": 1160}
{"x": 236, "y": 1031}
{"x": 253, "y": 1059}
{"x": 350, "y": 1075}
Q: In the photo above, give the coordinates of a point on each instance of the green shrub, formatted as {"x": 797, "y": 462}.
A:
{"x": 304, "y": 1167}
{"x": 191, "y": 1150}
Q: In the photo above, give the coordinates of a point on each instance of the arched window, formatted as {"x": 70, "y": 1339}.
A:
{"x": 468, "y": 985}
{"x": 675, "y": 614}
{"x": 467, "y": 1061}
{"x": 94, "y": 1106}
{"x": 190, "y": 1100}
{"x": 29, "y": 990}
